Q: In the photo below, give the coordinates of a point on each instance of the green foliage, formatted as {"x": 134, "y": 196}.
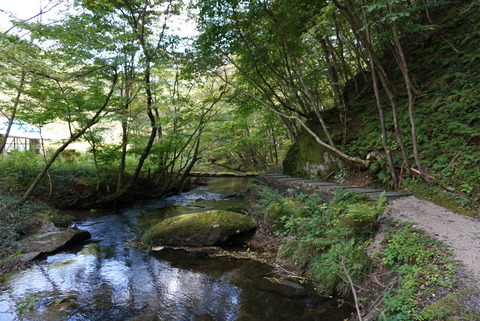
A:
{"x": 423, "y": 265}
{"x": 242, "y": 137}
{"x": 320, "y": 235}
{"x": 410, "y": 247}
{"x": 18, "y": 169}
{"x": 452, "y": 307}
{"x": 66, "y": 175}
{"x": 267, "y": 197}
{"x": 360, "y": 215}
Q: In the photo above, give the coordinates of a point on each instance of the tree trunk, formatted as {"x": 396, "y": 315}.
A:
{"x": 365, "y": 40}
{"x": 301, "y": 78}
{"x": 393, "y": 103}
{"x": 97, "y": 168}
{"x": 408, "y": 84}
{"x": 378, "y": 99}
{"x": 123, "y": 156}
{"x": 44, "y": 156}
{"x": 331, "y": 60}
{"x": 3, "y": 141}
{"x": 349, "y": 159}
{"x": 153, "y": 123}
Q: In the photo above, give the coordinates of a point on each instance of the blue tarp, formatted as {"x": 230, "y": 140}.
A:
{"x": 21, "y": 129}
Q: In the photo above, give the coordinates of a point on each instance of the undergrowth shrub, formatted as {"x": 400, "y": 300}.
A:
{"x": 18, "y": 169}
{"x": 67, "y": 178}
{"x": 454, "y": 201}
{"x": 320, "y": 236}
{"x": 444, "y": 62}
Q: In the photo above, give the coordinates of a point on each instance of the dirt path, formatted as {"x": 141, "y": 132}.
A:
{"x": 461, "y": 233}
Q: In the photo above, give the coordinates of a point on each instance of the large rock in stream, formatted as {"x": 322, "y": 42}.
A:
{"x": 39, "y": 245}
{"x": 199, "y": 229}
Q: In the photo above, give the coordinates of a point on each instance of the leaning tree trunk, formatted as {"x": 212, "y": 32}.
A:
{"x": 123, "y": 156}
{"x": 381, "y": 114}
{"x": 3, "y": 142}
{"x": 375, "y": 64}
{"x": 146, "y": 151}
{"x": 72, "y": 138}
{"x": 299, "y": 72}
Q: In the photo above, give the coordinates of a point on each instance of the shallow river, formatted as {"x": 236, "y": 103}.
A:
{"x": 108, "y": 278}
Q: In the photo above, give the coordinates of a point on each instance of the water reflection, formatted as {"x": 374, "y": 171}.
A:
{"x": 109, "y": 279}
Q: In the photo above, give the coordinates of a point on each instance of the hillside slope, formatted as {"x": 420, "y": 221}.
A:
{"x": 444, "y": 64}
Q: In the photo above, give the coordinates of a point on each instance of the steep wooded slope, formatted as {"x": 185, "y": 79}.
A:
{"x": 444, "y": 63}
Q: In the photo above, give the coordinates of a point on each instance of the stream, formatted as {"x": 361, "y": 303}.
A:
{"x": 109, "y": 278}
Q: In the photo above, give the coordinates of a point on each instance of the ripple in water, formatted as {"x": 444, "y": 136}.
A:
{"x": 110, "y": 279}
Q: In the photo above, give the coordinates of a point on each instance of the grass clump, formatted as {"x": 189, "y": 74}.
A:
{"x": 451, "y": 307}
{"x": 459, "y": 202}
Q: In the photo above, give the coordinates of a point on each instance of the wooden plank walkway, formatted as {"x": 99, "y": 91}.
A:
{"x": 328, "y": 187}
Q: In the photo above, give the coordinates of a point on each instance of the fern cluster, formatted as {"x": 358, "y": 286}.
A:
{"x": 321, "y": 237}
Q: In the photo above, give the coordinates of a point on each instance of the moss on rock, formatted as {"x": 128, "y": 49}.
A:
{"x": 454, "y": 307}
{"x": 307, "y": 158}
{"x": 199, "y": 229}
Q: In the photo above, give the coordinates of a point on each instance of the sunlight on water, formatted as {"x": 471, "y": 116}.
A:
{"x": 109, "y": 279}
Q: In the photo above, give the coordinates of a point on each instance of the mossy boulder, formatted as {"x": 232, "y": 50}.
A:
{"x": 307, "y": 158}
{"x": 199, "y": 229}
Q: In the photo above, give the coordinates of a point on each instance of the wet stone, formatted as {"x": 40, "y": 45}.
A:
{"x": 38, "y": 245}
{"x": 283, "y": 287}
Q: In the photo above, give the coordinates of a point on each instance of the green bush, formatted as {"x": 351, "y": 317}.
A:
{"x": 322, "y": 237}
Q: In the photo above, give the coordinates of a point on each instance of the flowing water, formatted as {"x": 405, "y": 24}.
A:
{"x": 108, "y": 278}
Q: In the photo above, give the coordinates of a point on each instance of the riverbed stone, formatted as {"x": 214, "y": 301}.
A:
{"x": 282, "y": 286}
{"x": 199, "y": 229}
{"x": 39, "y": 245}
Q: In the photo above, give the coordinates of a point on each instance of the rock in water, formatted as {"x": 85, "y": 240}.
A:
{"x": 39, "y": 245}
{"x": 199, "y": 229}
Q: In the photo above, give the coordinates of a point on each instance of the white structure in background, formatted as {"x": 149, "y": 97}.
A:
{"x": 23, "y": 136}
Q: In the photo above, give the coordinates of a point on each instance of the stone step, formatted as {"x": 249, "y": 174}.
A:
{"x": 363, "y": 190}
{"x": 317, "y": 183}
{"x": 327, "y": 186}
{"x": 389, "y": 195}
